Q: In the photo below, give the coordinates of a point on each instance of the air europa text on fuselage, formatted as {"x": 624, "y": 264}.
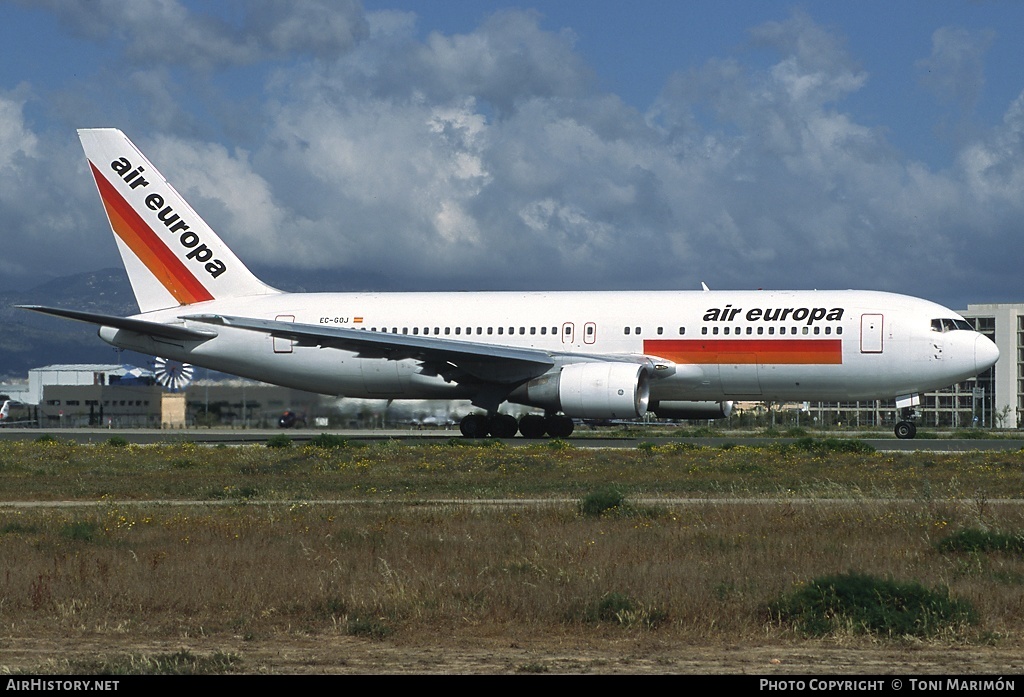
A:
{"x": 775, "y": 314}
{"x": 198, "y": 251}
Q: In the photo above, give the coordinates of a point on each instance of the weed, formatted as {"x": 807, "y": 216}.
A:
{"x": 976, "y": 540}
{"x": 178, "y": 663}
{"x": 533, "y": 668}
{"x": 832, "y": 445}
{"x": 971, "y": 434}
{"x": 368, "y": 627}
{"x": 80, "y": 531}
{"x": 620, "y": 609}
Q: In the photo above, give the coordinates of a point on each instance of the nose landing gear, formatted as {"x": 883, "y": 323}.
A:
{"x": 905, "y": 427}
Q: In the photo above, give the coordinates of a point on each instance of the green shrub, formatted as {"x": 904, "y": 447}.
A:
{"x": 860, "y": 603}
{"x": 117, "y": 442}
{"x": 279, "y": 440}
{"x": 329, "y": 440}
{"x": 602, "y": 501}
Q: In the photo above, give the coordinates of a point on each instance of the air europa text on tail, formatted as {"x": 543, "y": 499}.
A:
{"x": 188, "y": 238}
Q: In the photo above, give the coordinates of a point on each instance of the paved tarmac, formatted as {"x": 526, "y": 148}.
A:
{"x": 581, "y": 439}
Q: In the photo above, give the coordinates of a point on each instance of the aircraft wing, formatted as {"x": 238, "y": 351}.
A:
{"x": 167, "y": 331}
{"x": 453, "y": 360}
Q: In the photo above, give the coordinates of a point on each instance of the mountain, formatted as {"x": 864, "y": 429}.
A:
{"x": 31, "y": 340}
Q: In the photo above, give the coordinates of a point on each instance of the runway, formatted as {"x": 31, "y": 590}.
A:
{"x": 581, "y": 439}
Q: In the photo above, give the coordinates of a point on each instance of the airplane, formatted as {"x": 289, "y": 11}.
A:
{"x": 14, "y": 413}
{"x": 567, "y": 355}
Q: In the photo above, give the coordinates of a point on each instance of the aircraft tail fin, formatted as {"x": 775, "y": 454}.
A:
{"x": 172, "y": 256}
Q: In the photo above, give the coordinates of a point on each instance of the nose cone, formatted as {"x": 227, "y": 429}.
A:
{"x": 985, "y": 353}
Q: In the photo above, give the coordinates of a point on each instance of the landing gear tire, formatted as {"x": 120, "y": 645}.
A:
{"x": 905, "y": 430}
{"x": 474, "y": 426}
{"x": 532, "y": 426}
{"x": 503, "y": 426}
{"x": 559, "y": 426}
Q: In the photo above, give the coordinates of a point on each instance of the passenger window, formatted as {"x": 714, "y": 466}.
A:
{"x": 660, "y": 331}
{"x": 625, "y": 330}
{"x": 682, "y": 330}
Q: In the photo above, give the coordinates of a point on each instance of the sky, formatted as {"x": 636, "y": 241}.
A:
{"x": 556, "y": 144}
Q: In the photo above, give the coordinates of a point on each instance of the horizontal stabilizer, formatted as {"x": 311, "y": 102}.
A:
{"x": 168, "y": 331}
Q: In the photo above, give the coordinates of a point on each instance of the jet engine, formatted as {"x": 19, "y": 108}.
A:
{"x": 595, "y": 390}
{"x": 691, "y": 410}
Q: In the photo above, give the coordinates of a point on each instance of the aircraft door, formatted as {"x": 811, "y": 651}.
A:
{"x": 589, "y": 333}
{"x": 871, "y": 333}
{"x": 283, "y": 345}
{"x": 568, "y": 333}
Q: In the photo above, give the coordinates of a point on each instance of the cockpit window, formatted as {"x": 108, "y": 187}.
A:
{"x": 945, "y": 324}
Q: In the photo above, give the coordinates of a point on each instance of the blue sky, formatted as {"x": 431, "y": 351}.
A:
{"x": 471, "y": 144}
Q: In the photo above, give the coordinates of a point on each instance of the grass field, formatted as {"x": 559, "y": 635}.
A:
{"x": 195, "y": 559}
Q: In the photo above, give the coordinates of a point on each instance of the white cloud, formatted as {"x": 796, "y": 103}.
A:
{"x": 491, "y": 158}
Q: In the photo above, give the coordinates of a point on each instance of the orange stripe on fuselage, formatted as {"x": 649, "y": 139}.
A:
{"x": 760, "y": 351}
{"x": 148, "y": 247}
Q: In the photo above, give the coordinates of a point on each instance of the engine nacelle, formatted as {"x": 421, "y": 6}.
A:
{"x": 692, "y": 410}
{"x": 596, "y": 390}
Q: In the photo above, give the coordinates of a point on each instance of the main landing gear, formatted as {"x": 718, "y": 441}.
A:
{"x": 906, "y": 428}
{"x": 505, "y": 426}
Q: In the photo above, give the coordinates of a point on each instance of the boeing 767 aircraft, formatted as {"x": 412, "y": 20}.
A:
{"x": 601, "y": 355}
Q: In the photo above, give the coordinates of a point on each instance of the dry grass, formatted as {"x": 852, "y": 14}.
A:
{"x": 695, "y": 572}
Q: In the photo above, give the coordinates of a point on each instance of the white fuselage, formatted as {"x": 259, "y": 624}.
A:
{"x": 724, "y": 345}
